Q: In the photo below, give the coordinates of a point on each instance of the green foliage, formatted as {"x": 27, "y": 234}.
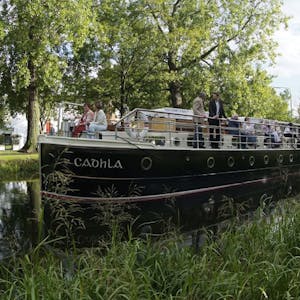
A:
{"x": 38, "y": 37}
{"x": 206, "y": 38}
{"x": 139, "y": 53}
{"x": 161, "y": 53}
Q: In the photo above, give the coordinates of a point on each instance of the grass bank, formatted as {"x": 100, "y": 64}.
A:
{"x": 259, "y": 259}
{"x": 18, "y": 166}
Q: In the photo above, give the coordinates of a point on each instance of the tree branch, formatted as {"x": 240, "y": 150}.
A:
{"x": 176, "y": 5}
{"x": 155, "y": 18}
{"x": 209, "y": 51}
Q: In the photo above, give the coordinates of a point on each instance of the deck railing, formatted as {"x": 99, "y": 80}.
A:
{"x": 178, "y": 129}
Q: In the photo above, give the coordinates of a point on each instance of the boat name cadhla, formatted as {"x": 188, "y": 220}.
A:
{"x": 97, "y": 163}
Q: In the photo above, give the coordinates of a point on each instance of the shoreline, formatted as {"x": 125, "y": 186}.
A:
{"x": 15, "y": 166}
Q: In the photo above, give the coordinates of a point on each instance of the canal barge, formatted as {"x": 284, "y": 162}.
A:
{"x": 151, "y": 159}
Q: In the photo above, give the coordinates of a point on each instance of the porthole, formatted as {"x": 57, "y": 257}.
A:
{"x": 230, "y": 161}
{"x": 251, "y": 160}
{"x": 146, "y": 163}
{"x": 291, "y": 158}
{"x": 176, "y": 141}
{"x": 266, "y": 159}
{"x": 210, "y": 162}
{"x": 280, "y": 158}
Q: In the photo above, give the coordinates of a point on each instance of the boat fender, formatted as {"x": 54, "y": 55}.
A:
{"x": 134, "y": 131}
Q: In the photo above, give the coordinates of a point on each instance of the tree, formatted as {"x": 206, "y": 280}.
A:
{"x": 139, "y": 53}
{"x": 2, "y": 106}
{"x": 39, "y": 36}
{"x": 144, "y": 51}
{"x": 200, "y": 37}
{"x": 130, "y": 51}
{"x": 119, "y": 63}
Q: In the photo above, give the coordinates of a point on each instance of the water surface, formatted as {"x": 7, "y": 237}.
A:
{"x": 25, "y": 220}
{"x": 19, "y": 209}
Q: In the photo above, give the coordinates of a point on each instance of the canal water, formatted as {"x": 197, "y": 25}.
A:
{"x": 25, "y": 220}
{"x": 19, "y": 211}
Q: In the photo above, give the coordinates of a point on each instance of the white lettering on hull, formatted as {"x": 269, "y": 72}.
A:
{"x": 97, "y": 163}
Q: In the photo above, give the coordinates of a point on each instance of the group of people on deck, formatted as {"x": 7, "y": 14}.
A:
{"x": 246, "y": 131}
{"x": 91, "y": 121}
{"x": 274, "y": 134}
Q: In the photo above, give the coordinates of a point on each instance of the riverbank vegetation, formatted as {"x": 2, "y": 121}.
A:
{"x": 18, "y": 166}
{"x": 256, "y": 259}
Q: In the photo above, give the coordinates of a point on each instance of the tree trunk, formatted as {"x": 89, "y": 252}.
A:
{"x": 174, "y": 85}
{"x": 122, "y": 93}
{"x": 175, "y": 94}
{"x": 33, "y": 113}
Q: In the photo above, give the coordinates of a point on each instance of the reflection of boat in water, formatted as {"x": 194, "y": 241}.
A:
{"x": 148, "y": 160}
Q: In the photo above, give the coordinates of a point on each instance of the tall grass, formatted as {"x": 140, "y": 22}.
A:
{"x": 23, "y": 169}
{"x": 258, "y": 259}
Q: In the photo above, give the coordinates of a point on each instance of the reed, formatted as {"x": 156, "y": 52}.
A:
{"x": 257, "y": 259}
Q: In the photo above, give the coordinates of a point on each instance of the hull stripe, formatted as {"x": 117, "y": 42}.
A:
{"x": 157, "y": 196}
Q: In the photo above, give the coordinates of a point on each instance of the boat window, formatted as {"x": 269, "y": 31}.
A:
{"x": 266, "y": 159}
{"x": 230, "y": 161}
{"x": 251, "y": 160}
{"x": 146, "y": 163}
{"x": 176, "y": 141}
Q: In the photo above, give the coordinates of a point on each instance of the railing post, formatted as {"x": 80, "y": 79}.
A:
{"x": 220, "y": 134}
{"x": 170, "y": 133}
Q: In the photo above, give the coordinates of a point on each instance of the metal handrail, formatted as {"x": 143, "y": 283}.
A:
{"x": 174, "y": 125}
{"x": 181, "y": 126}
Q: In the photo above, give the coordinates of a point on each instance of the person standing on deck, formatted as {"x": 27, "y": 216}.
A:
{"x": 216, "y": 111}
{"x": 199, "y": 114}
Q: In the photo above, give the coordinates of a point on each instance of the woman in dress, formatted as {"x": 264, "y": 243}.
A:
{"x": 85, "y": 120}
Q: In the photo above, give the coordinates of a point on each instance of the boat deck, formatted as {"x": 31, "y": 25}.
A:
{"x": 175, "y": 128}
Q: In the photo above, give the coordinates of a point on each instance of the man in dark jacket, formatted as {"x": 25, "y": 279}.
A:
{"x": 216, "y": 111}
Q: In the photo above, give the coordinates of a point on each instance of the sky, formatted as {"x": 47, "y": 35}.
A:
{"x": 287, "y": 68}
